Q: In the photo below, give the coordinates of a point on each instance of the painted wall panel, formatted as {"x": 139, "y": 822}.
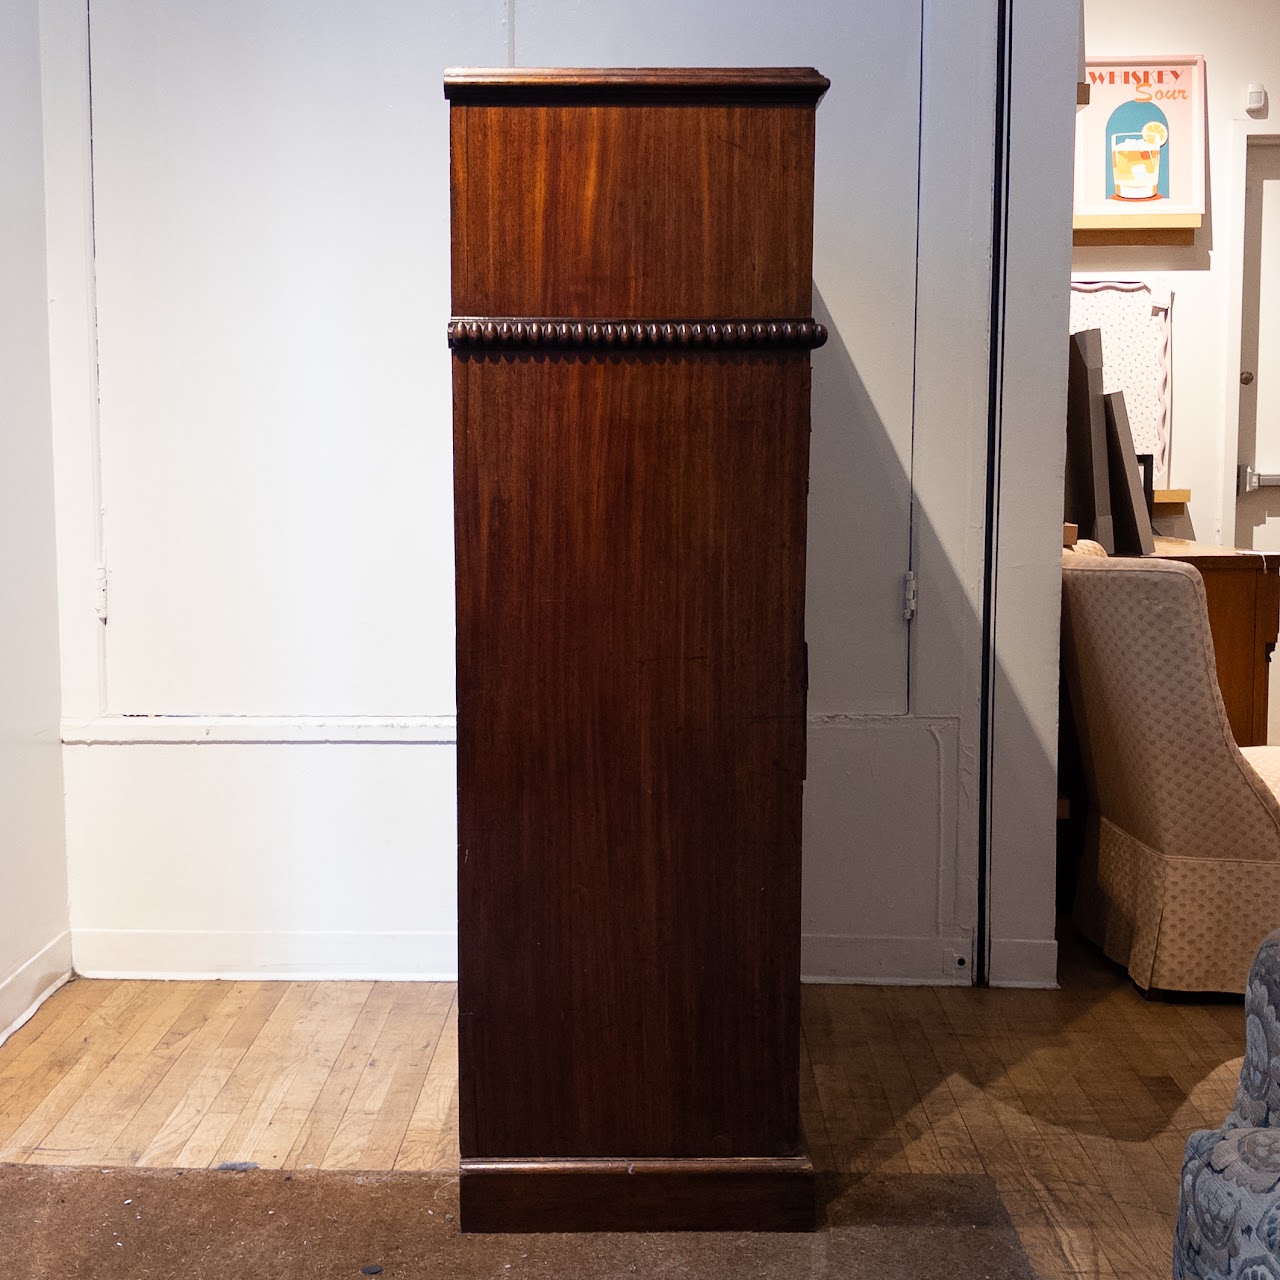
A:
{"x": 271, "y": 229}
{"x": 283, "y": 859}
{"x": 1025, "y": 626}
{"x": 34, "y": 947}
{"x": 881, "y": 819}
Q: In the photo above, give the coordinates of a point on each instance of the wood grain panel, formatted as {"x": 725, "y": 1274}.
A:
{"x": 1232, "y": 601}
{"x": 637, "y": 1195}
{"x": 630, "y": 546}
{"x": 676, "y": 212}
{"x": 1266, "y": 633}
{"x": 1242, "y": 591}
{"x": 631, "y": 291}
{"x": 522, "y": 85}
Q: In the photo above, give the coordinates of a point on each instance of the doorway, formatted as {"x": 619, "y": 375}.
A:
{"x": 1257, "y": 518}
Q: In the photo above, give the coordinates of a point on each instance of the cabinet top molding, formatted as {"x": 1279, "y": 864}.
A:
{"x": 510, "y": 85}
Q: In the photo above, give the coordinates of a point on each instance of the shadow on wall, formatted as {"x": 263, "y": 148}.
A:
{"x": 891, "y": 859}
{"x": 859, "y": 536}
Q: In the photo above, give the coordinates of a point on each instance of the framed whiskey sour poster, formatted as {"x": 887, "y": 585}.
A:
{"x": 1140, "y": 144}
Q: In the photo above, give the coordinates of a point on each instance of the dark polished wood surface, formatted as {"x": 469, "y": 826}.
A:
{"x": 1228, "y": 559}
{"x": 630, "y": 541}
{"x": 622, "y": 211}
{"x": 514, "y": 85}
{"x": 635, "y": 1195}
{"x": 1242, "y": 590}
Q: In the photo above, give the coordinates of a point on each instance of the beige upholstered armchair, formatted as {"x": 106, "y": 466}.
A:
{"x": 1181, "y": 876}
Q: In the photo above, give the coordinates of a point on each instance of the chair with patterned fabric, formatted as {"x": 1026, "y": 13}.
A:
{"x": 1181, "y": 875}
{"x": 1229, "y": 1207}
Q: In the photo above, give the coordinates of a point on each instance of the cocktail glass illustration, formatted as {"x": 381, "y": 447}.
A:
{"x": 1135, "y": 161}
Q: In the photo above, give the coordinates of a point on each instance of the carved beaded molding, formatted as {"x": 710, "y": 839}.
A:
{"x": 516, "y": 331}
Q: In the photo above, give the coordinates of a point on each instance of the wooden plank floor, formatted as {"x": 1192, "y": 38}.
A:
{"x": 1078, "y": 1101}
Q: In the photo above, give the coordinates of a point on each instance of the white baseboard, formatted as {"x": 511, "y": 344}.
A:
{"x": 297, "y": 957}
{"x": 1024, "y": 962}
{"x": 929, "y": 961}
{"x": 433, "y": 957}
{"x": 33, "y": 982}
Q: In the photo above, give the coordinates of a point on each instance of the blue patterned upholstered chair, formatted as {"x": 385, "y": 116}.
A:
{"x": 1229, "y": 1210}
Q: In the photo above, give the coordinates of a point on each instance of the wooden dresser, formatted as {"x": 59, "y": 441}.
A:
{"x": 1243, "y": 593}
{"x": 632, "y": 258}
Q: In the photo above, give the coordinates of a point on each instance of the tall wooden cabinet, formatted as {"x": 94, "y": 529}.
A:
{"x": 631, "y": 335}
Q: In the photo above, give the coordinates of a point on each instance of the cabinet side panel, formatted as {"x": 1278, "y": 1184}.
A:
{"x": 630, "y": 542}
{"x": 1266, "y": 614}
{"x": 664, "y": 212}
{"x": 459, "y": 275}
{"x": 1230, "y": 596}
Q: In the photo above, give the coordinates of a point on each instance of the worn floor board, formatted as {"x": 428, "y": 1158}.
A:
{"x": 1077, "y": 1101}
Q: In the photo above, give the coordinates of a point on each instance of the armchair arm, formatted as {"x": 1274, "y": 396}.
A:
{"x": 1229, "y": 1208}
{"x": 1257, "y": 1101}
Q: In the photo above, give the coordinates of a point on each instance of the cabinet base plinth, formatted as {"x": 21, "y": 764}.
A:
{"x": 745, "y": 1194}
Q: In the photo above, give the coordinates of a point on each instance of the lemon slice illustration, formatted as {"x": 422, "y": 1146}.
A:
{"x": 1155, "y": 134}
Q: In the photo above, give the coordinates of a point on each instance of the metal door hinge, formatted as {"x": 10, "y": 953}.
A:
{"x": 1248, "y": 480}
{"x": 910, "y": 597}
{"x": 100, "y": 592}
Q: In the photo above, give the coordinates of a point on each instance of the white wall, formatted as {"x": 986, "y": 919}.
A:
{"x": 259, "y": 758}
{"x": 263, "y": 465}
{"x": 1028, "y": 579}
{"x": 35, "y": 949}
{"x": 313, "y": 860}
{"x": 1241, "y": 44}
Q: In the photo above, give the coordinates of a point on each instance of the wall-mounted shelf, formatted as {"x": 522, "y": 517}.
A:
{"x": 1096, "y": 237}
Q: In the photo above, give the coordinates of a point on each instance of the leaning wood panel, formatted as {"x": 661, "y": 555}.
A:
{"x": 631, "y": 422}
